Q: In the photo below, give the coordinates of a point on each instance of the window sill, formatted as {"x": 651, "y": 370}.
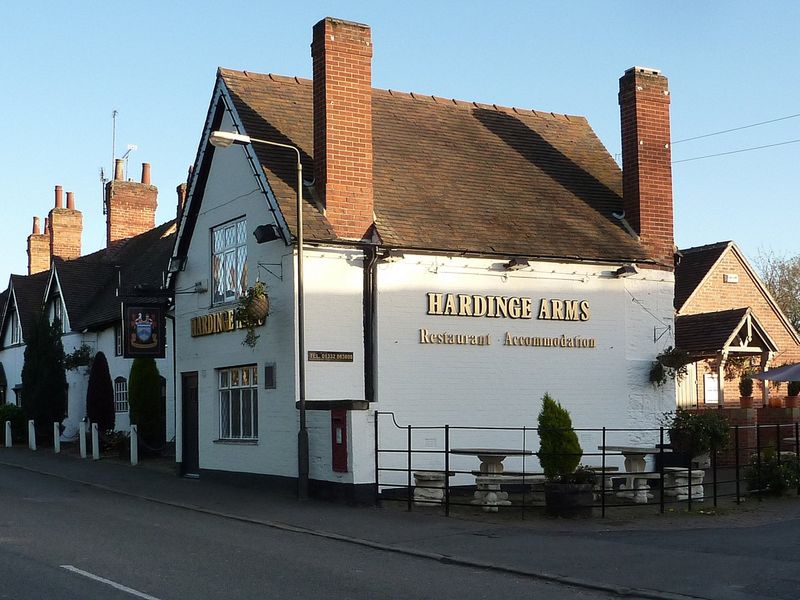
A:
{"x": 237, "y": 442}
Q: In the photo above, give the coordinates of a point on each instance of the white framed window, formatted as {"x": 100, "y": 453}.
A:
{"x": 58, "y": 313}
{"x": 120, "y": 394}
{"x": 228, "y": 261}
{"x": 238, "y": 403}
{"x": 16, "y": 331}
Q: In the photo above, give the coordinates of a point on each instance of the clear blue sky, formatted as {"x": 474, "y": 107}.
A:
{"x": 67, "y": 65}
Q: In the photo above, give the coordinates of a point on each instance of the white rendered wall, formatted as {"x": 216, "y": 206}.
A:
{"x": 502, "y": 386}
{"x": 232, "y": 192}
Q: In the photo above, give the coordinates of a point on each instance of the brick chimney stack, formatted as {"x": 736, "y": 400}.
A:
{"x": 342, "y": 61}
{"x": 646, "y": 160}
{"x": 38, "y": 249}
{"x": 65, "y": 226}
{"x": 131, "y": 206}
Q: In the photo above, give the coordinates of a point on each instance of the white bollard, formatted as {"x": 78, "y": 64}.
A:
{"x": 31, "y": 435}
{"x": 134, "y": 445}
{"x": 56, "y": 437}
{"x": 82, "y": 437}
{"x": 9, "y": 441}
{"x": 95, "y": 442}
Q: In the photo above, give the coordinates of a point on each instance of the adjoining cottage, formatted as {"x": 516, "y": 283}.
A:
{"x": 459, "y": 261}
{"x": 728, "y": 322}
{"x": 85, "y": 292}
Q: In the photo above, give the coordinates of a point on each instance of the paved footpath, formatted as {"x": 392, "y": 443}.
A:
{"x": 745, "y": 553}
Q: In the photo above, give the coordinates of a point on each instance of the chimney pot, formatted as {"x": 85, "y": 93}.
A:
{"x": 46, "y": 225}
{"x": 36, "y": 230}
{"x": 146, "y": 173}
{"x": 59, "y": 197}
{"x": 71, "y": 200}
{"x": 119, "y": 169}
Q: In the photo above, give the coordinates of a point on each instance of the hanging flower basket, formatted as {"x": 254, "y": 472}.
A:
{"x": 258, "y": 308}
{"x": 253, "y": 309}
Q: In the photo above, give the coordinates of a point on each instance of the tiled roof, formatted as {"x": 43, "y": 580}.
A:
{"x": 693, "y": 266}
{"x": 455, "y": 176}
{"x": 29, "y": 293}
{"x": 89, "y": 283}
{"x": 706, "y": 333}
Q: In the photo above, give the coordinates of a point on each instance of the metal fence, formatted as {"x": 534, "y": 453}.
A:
{"x": 439, "y": 466}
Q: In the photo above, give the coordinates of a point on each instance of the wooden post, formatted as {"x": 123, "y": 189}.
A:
{"x": 31, "y": 435}
{"x": 95, "y": 442}
{"x": 82, "y": 437}
{"x": 134, "y": 445}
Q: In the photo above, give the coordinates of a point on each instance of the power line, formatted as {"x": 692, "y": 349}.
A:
{"x": 698, "y": 137}
{"x": 736, "y": 151}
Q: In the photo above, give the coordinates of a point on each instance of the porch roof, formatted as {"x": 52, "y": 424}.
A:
{"x": 735, "y": 330}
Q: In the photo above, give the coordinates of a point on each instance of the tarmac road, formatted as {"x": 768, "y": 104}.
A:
{"x": 60, "y": 539}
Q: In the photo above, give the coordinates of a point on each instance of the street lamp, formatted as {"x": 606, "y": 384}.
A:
{"x": 223, "y": 139}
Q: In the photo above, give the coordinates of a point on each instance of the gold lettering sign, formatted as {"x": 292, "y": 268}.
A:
{"x": 217, "y": 322}
{"x": 506, "y": 307}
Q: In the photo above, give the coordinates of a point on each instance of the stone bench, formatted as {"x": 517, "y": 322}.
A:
{"x": 637, "y": 487}
{"x": 606, "y": 477}
{"x": 677, "y": 479}
{"x": 489, "y": 495}
{"x": 429, "y": 486}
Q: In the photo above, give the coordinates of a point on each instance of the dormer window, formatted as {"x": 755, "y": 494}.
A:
{"x": 16, "y": 332}
{"x": 228, "y": 261}
{"x": 58, "y": 312}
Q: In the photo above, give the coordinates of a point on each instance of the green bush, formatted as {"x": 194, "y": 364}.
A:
{"x": 144, "y": 400}
{"x": 559, "y": 449}
{"x": 772, "y": 474}
{"x": 793, "y": 388}
{"x": 100, "y": 394}
{"x": 745, "y": 385}
{"x": 19, "y": 431}
{"x": 697, "y": 432}
{"x": 44, "y": 380}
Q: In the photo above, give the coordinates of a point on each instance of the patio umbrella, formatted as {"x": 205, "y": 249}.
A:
{"x": 784, "y": 373}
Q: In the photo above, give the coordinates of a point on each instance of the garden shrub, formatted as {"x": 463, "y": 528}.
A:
{"x": 144, "y": 400}
{"x": 772, "y": 474}
{"x": 9, "y": 412}
{"x": 100, "y": 395}
{"x": 44, "y": 380}
{"x": 559, "y": 449}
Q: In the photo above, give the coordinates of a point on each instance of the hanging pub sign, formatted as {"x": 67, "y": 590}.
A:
{"x": 144, "y": 326}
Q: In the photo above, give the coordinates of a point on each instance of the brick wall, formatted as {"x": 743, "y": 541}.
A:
{"x": 716, "y": 295}
{"x": 66, "y": 227}
{"x": 38, "y": 249}
{"x": 342, "y": 55}
{"x": 131, "y": 209}
{"x": 646, "y": 160}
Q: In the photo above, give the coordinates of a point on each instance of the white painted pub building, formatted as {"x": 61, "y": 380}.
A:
{"x": 459, "y": 261}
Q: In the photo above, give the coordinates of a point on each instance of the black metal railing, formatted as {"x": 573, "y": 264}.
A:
{"x": 431, "y": 465}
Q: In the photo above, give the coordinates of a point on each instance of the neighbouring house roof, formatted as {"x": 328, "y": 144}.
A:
{"x": 89, "y": 283}
{"x": 706, "y": 334}
{"x": 693, "y": 267}
{"x": 696, "y": 265}
{"x": 451, "y": 175}
{"x": 29, "y": 296}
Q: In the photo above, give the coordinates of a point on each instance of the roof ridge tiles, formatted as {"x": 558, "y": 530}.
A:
{"x": 431, "y": 98}
{"x": 712, "y": 246}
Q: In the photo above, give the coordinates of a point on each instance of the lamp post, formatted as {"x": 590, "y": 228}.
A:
{"x": 223, "y": 139}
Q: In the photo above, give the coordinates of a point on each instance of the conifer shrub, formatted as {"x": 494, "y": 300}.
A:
{"x": 9, "y": 412}
{"x": 559, "y": 450}
{"x": 144, "y": 400}
{"x": 100, "y": 395}
{"x": 44, "y": 379}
